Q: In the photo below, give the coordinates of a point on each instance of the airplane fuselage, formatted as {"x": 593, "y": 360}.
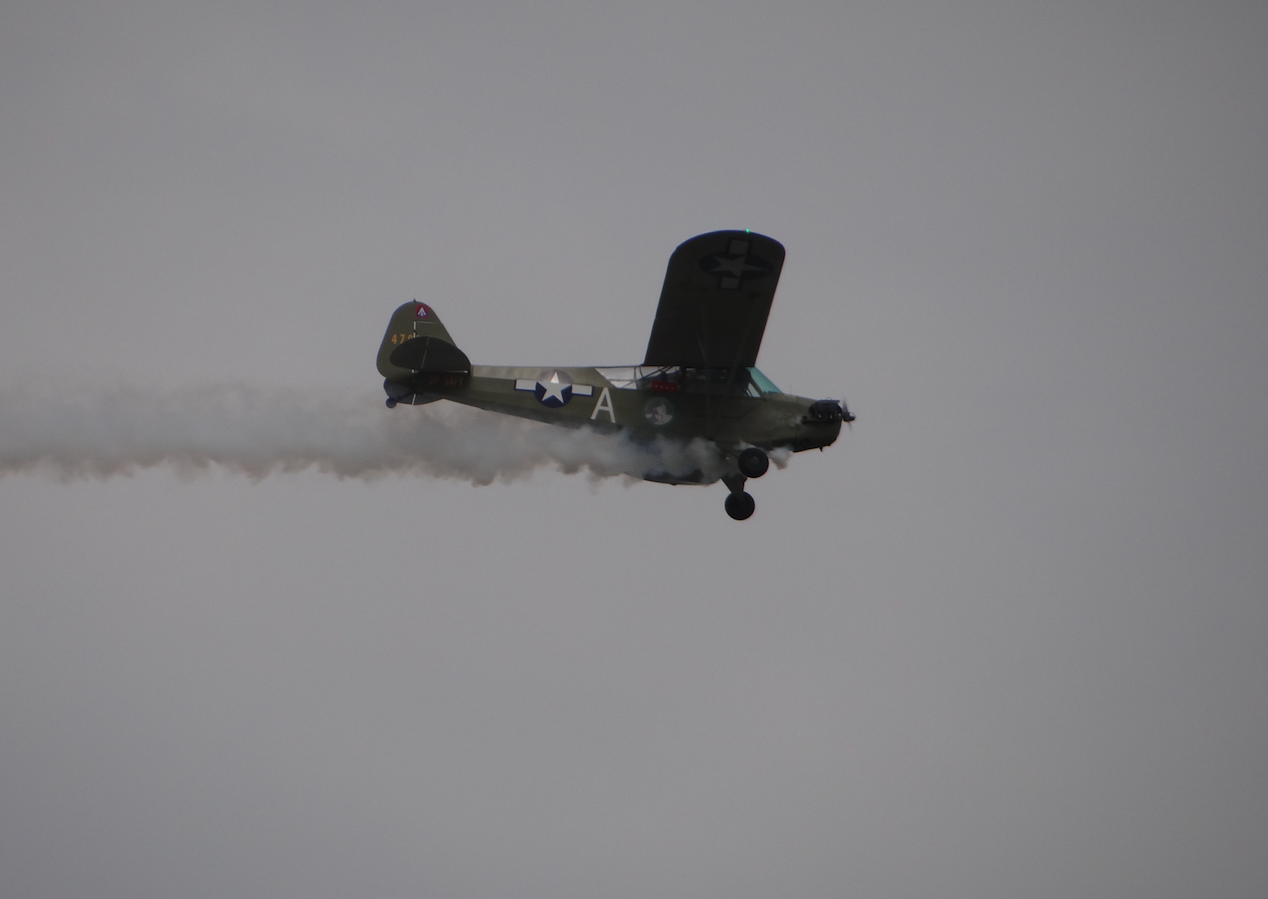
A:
{"x": 680, "y": 405}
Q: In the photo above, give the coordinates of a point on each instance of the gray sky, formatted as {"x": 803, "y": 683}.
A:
{"x": 1006, "y": 638}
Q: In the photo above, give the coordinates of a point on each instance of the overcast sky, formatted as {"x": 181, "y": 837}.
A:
{"x": 1006, "y": 638}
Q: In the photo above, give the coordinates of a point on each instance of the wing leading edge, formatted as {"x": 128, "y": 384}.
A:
{"x": 717, "y": 295}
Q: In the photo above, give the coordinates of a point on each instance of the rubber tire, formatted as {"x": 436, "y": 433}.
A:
{"x": 740, "y": 505}
{"x": 753, "y": 462}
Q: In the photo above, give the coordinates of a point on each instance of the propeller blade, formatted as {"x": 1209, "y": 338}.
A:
{"x": 847, "y": 416}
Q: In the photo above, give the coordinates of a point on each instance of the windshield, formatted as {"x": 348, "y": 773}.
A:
{"x": 764, "y": 384}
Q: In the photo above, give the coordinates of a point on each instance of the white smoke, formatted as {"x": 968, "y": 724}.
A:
{"x": 118, "y": 431}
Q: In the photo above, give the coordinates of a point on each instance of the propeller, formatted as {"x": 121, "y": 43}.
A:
{"x": 847, "y": 416}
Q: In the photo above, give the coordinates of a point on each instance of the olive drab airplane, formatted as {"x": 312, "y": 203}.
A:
{"x": 698, "y": 378}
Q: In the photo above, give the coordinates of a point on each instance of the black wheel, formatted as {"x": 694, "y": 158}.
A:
{"x": 739, "y": 505}
{"x": 390, "y": 403}
{"x": 753, "y": 462}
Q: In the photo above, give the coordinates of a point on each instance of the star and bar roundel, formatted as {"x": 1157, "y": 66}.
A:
{"x": 735, "y": 266}
{"x": 554, "y": 388}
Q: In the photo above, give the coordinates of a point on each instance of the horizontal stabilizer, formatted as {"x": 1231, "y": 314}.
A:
{"x": 430, "y": 354}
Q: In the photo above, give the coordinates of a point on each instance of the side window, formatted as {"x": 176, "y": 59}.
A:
{"x": 763, "y": 383}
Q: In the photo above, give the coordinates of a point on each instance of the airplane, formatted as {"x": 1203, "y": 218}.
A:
{"x": 698, "y": 378}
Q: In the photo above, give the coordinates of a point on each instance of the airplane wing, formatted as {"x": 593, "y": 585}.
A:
{"x": 713, "y": 307}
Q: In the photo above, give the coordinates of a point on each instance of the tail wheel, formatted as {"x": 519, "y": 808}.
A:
{"x": 739, "y": 505}
{"x": 753, "y": 462}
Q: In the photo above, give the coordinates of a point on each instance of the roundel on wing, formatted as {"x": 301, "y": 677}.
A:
{"x": 736, "y": 266}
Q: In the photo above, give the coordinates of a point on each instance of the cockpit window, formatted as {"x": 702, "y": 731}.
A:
{"x": 675, "y": 379}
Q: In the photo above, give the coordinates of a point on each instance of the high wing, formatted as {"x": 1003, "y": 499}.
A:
{"x": 717, "y": 294}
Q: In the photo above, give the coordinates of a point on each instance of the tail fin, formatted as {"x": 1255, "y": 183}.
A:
{"x": 416, "y": 341}
{"x": 416, "y": 345}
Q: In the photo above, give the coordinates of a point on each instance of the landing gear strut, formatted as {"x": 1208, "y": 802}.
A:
{"x": 739, "y": 505}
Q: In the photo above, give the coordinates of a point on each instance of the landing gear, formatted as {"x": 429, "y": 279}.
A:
{"x": 753, "y": 463}
{"x": 397, "y": 393}
{"x": 739, "y": 505}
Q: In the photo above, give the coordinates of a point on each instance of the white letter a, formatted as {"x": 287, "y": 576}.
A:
{"x": 604, "y": 405}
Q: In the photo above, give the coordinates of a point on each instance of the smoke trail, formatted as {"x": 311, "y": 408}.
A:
{"x": 111, "y": 432}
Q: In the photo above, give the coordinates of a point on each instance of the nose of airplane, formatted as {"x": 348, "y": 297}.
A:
{"x": 830, "y": 410}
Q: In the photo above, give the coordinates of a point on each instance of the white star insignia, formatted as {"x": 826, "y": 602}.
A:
{"x": 737, "y": 266}
{"x": 554, "y": 389}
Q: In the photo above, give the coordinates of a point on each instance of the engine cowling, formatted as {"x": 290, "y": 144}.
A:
{"x": 826, "y": 411}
